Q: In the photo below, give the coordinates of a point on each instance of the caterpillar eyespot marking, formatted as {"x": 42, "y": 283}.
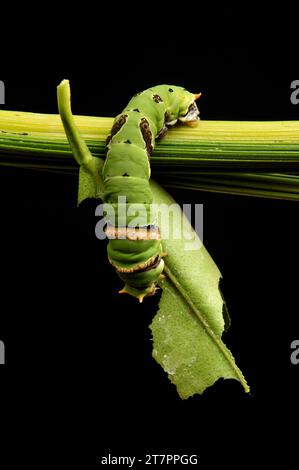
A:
{"x": 147, "y": 135}
{"x": 136, "y": 253}
{"x": 118, "y": 124}
{"x": 157, "y": 99}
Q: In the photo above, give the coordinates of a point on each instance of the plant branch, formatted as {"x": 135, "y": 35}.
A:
{"x": 78, "y": 146}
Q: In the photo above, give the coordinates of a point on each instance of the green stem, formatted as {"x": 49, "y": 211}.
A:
{"x": 78, "y": 146}
{"x": 218, "y": 156}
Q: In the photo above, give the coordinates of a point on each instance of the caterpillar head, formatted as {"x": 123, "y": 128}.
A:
{"x": 182, "y": 106}
{"x": 190, "y": 113}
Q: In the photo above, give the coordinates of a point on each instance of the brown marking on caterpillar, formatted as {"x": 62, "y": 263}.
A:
{"x": 157, "y": 99}
{"x": 136, "y": 110}
{"x": 164, "y": 128}
{"x": 147, "y": 135}
{"x": 192, "y": 108}
{"x": 151, "y": 263}
{"x": 116, "y": 127}
{"x": 166, "y": 117}
{"x": 170, "y": 90}
{"x": 162, "y": 132}
{"x": 133, "y": 233}
{"x": 192, "y": 115}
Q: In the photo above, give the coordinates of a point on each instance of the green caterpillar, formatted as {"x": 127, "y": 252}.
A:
{"x": 136, "y": 252}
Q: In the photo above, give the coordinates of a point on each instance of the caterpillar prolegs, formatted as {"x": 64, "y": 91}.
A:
{"x": 136, "y": 252}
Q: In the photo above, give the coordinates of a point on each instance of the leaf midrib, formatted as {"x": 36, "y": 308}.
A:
{"x": 216, "y": 339}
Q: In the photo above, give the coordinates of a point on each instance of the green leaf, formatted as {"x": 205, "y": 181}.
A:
{"x": 188, "y": 327}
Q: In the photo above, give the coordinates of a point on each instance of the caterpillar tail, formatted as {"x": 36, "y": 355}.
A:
{"x": 141, "y": 293}
{"x": 142, "y": 283}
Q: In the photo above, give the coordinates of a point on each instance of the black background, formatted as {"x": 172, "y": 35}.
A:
{"x": 80, "y": 381}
